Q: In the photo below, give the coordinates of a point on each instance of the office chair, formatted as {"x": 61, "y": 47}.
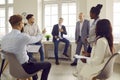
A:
{"x": 15, "y": 68}
{"x": 107, "y": 70}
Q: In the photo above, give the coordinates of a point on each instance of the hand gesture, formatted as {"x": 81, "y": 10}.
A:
{"x": 86, "y": 40}
{"x": 84, "y": 53}
{"x": 56, "y": 37}
{"x": 43, "y": 31}
{"x": 61, "y": 30}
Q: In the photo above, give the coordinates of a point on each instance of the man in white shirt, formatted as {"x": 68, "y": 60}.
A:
{"x": 32, "y": 29}
{"x": 15, "y": 42}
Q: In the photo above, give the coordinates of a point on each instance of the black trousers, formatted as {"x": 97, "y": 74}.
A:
{"x": 32, "y": 67}
{"x": 89, "y": 49}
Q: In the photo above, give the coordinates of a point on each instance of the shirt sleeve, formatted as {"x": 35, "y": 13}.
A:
{"x": 38, "y": 30}
{"x": 98, "y": 53}
{"x": 32, "y": 39}
{"x": 2, "y": 55}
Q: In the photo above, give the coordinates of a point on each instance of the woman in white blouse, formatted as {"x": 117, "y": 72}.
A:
{"x": 94, "y": 14}
{"x": 102, "y": 49}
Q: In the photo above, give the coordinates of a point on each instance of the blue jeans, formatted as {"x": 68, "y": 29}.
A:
{"x": 56, "y": 43}
{"x": 30, "y": 54}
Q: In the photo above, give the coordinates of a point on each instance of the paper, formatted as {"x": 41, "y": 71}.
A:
{"x": 33, "y": 48}
{"x": 79, "y": 57}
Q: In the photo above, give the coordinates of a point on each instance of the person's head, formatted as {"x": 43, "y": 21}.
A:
{"x": 60, "y": 20}
{"x": 95, "y": 11}
{"x": 16, "y": 22}
{"x": 104, "y": 29}
{"x": 81, "y": 16}
{"x": 30, "y": 18}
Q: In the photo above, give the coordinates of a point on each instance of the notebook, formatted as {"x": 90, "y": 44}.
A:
{"x": 33, "y": 48}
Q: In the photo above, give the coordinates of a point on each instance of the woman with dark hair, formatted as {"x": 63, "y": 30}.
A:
{"x": 94, "y": 14}
{"x": 102, "y": 49}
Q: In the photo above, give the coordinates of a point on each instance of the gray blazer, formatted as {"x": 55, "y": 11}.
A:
{"x": 84, "y": 31}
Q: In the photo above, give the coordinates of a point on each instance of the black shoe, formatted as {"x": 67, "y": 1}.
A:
{"x": 65, "y": 55}
{"x": 73, "y": 64}
{"x": 57, "y": 63}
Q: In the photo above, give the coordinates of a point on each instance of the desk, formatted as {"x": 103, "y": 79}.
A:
{"x": 49, "y": 49}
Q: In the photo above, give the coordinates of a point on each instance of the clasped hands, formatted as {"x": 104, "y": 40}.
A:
{"x": 84, "y": 53}
{"x": 43, "y": 31}
{"x": 61, "y": 30}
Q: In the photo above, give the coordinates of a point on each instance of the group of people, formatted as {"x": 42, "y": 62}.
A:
{"x": 97, "y": 40}
{"x": 99, "y": 46}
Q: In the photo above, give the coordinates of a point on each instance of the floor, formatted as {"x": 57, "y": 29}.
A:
{"x": 63, "y": 72}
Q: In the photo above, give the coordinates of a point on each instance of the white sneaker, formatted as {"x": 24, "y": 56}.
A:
{"x": 75, "y": 74}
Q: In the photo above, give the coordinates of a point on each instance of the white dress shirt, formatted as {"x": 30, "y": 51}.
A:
{"x": 81, "y": 25}
{"x": 60, "y": 27}
{"x": 15, "y": 42}
{"x": 32, "y": 30}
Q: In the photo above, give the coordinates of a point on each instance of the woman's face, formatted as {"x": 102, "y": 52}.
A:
{"x": 92, "y": 15}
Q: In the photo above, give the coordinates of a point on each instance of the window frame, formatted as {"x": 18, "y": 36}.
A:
{"x": 59, "y": 2}
{"x": 115, "y": 26}
{"x": 7, "y": 5}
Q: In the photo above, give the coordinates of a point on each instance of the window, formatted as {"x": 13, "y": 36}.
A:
{"x": 2, "y": 21}
{"x": 116, "y": 21}
{"x": 69, "y": 15}
{"x": 51, "y": 16}
{"x": 60, "y": 8}
{"x": 6, "y": 10}
{"x": 2, "y": 2}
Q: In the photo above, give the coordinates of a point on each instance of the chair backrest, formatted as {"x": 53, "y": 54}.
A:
{"x": 15, "y": 68}
{"x": 107, "y": 70}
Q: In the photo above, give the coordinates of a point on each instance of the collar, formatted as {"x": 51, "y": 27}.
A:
{"x": 16, "y": 31}
{"x": 82, "y": 21}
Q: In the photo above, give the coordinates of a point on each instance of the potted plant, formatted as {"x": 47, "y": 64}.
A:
{"x": 47, "y": 37}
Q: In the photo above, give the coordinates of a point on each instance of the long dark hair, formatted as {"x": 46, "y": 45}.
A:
{"x": 104, "y": 29}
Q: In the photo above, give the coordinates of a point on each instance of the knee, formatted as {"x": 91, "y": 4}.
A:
{"x": 49, "y": 64}
{"x": 68, "y": 42}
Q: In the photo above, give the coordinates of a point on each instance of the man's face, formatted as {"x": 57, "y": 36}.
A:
{"x": 60, "y": 21}
{"x": 81, "y": 16}
{"x": 32, "y": 20}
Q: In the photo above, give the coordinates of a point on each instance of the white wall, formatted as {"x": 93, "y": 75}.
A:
{"x": 91, "y": 3}
{"x": 28, "y": 6}
{"x": 82, "y": 7}
{"x": 106, "y": 11}
{"x": 35, "y": 7}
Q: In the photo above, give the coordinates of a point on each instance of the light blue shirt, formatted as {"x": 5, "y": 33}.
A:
{"x": 15, "y": 42}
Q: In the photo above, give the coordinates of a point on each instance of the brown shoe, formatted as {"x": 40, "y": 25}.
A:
{"x": 57, "y": 63}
